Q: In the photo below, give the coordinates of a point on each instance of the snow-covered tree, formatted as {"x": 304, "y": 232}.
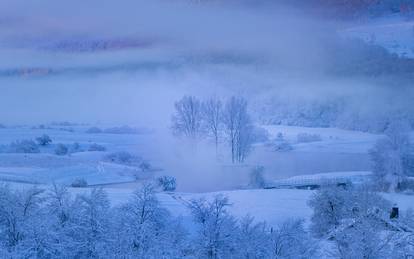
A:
{"x": 167, "y": 183}
{"x": 59, "y": 203}
{"x": 187, "y": 119}
{"x": 212, "y": 114}
{"x": 290, "y": 240}
{"x": 355, "y": 220}
{"x": 253, "y": 239}
{"x": 23, "y": 146}
{"x": 238, "y": 128}
{"x": 87, "y": 233}
{"x": 61, "y": 150}
{"x": 44, "y": 140}
{"x": 216, "y": 228}
{"x": 392, "y": 157}
{"x": 256, "y": 178}
{"x": 147, "y": 230}
{"x": 19, "y": 221}
{"x": 329, "y": 208}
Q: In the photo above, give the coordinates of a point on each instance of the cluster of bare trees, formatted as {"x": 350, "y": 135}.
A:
{"x": 214, "y": 118}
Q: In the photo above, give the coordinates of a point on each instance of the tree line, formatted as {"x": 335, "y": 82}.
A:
{"x": 347, "y": 222}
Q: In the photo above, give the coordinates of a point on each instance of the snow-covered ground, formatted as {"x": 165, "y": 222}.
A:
{"x": 333, "y": 140}
{"x": 271, "y": 205}
{"x": 203, "y": 173}
{"x": 47, "y": 167}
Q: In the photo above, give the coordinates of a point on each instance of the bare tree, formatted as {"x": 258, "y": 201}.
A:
{"x": 212, "y": 113}
{"x": 187, "y": 120}
{"x": 238, "y": 128}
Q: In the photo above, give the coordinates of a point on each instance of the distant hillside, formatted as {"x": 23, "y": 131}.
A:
{"x": 338, "y": 9}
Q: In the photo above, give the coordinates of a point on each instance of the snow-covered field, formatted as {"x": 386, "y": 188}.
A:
{"x": 270, "y": 205}
{"x": 341, "y": 146}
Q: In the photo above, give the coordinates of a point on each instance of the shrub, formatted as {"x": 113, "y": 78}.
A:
{"x": 75, "y": 147}
{"x": 121, "y": 130}
{"x": 123, "y": 157}
{"x": 280, "y": 137}
{"x": 70, "y": 129}
{"x": 283, "y": 146}
{"x": 79, "y": 183}
{"x": 260, "y": 135}
{"x": 24, "y": 146}
{"x": 306, "y": 137}
{"x": 167, "y": 183}
{"x": 44, "y": 140}
{"x": 61, "y": 150}
{"x": 96, "y": 147}
{"x": 256, "y": 179}
{"x": 94, "y": 130}
{"x": 407, "y": 185}
{"x": 145, "y": 166}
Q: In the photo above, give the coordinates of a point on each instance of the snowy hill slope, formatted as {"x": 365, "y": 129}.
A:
{"x": 395, "y": 33}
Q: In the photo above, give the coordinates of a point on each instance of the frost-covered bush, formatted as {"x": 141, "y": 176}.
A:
{"x": 123, "y": 157}
{"x": 145, "y": 166}
{"x": 94, "y": 130}
{"x": 68, "y": 129}
{"x": 280, "y": 136}
{"x": 23, "y": 146}
{"x": 306, "y": 137}
{"x": 96, "y": 147}
{"x": 283, "y": 146}
{"x": 44, "y": 140}
{"x": 123, "y": 130}
{"x": 61, "y": 149}
{"x": 75, "y": 147}
{"x": 407, "y": 185}
{"x": 80, "y": 182}
{"x": 64, "y": 123}
{"x": 260, "y": 134}
{"x": 256, "y": 178}
{"x": 280, "y": 143}
{"x": 167, "y": 183}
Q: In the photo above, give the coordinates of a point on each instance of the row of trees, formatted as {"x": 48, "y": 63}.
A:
{"x": 393, "y": 158}
{"x": 36, "y": 223}
{"x": 359, "y": 224}
{"x": 197, "y": 119}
